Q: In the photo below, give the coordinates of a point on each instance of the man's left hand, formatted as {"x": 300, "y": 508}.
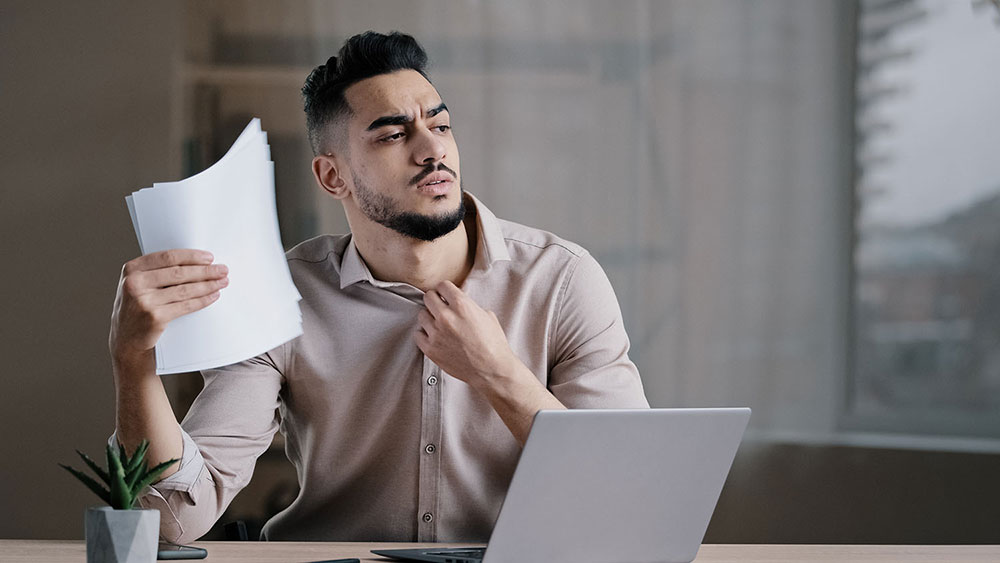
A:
{"x": 467, "y": 341}
{"x": 464, "y": 339}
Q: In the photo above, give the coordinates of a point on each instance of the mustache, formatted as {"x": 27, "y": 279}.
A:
{"x": 430, "y": 169}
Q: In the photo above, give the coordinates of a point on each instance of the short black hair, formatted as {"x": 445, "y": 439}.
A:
{"x": 362, "y": 56}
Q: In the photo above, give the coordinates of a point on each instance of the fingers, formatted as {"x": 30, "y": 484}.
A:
{"x": 156, "y": 288}
{"x": 423, "y": 341}
{"x": 434, "y": 303}
{"x": 444, "y": 296}
{"x": 426, "y": 321}
{"x": 177, "y": 275}
{"x": 187, "y": 291}
{"x": 450, "y": 292}
{"x": 170, "y": 312}
{"x": 167, "y": 258}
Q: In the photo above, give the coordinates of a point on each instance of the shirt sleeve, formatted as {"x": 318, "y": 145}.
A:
{"x": 190, "y": 468}
{"x": 591, "y": 367}
{"x": 229, "y": 425}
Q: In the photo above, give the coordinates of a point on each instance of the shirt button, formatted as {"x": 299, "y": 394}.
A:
{"x": 432, "y": 380}
{"x": 428, "y": 517}
{"x": 429, "y": 448}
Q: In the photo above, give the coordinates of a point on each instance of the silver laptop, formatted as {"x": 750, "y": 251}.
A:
{"x": 609, "y": 486}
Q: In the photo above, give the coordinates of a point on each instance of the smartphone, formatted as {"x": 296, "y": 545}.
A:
{"x": 172, "y": 551}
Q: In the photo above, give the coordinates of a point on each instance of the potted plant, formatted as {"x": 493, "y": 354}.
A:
{"x": 118, "y": 533}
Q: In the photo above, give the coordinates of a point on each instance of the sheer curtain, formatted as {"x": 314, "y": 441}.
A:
{"x": 700, "y": 150}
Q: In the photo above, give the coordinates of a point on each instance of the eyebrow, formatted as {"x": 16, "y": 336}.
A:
{"x": 403, "y": 119}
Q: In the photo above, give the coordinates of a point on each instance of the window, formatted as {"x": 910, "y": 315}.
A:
{"x": 927, "y": 255}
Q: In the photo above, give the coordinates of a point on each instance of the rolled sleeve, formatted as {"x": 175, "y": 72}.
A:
{"x": 592, "y": 368}
{"x": 192, "y": 464}
{"x": 181, "y": 482}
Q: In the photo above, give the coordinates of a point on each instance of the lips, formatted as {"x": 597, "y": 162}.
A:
{"x": 438, "y": 178}
{"x": 435, "y": 189}
{"x": 436, "y": 184}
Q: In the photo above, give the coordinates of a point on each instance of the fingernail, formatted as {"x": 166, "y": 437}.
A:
{"x": 222, "y": 269}
{"x": 224, "y": 282}
{"x": 208, "y": 256}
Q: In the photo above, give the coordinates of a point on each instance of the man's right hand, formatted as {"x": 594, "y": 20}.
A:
{"x": 153, "y": 290}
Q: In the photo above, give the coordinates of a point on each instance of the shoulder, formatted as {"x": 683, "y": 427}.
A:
{"x": 563, "y": 264}
{"x": 318, "y": 249}
{"x": 522, "y": 241}
{"x": 317, "y": 261}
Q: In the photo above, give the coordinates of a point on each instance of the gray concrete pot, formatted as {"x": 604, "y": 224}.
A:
{"x": 121, "y": 536}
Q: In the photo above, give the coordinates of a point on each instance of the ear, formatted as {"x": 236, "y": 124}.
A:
{"x": 329, "y": 175}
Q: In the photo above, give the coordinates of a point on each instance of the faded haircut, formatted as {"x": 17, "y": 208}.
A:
{"x": 363, "y": 56}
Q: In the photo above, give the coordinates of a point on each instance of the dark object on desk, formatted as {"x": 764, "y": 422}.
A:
{"x": 236, "y": 531}
{"x": 352, "y": 560}
{"x": 172, "y": 551}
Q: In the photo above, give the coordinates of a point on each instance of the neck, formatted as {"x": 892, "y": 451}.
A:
{"x": 393, "y": 257}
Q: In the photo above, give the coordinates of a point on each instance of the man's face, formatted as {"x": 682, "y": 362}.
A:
{"x": 402, "y": 158}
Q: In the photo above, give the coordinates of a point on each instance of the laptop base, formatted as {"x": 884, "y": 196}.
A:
{"x": 444, "y": 555}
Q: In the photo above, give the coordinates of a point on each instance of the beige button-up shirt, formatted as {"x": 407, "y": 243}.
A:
{"x": 387, "y": 446}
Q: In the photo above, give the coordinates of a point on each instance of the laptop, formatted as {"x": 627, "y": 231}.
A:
{"x": 609, "y": 486}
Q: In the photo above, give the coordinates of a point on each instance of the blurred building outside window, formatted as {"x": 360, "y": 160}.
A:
{"x": 926, "y": 356}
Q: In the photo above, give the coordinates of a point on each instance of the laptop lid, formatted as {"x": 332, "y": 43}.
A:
{"x": 599, "y": 486}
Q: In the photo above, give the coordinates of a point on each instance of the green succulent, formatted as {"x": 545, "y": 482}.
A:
{"x": 125, "y": 477}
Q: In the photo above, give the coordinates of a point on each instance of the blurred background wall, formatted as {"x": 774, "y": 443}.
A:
{"x": 796, "y": 202}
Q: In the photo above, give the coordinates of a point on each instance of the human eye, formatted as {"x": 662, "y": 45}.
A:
{"x": 442, "y": 128}
{"x": 391, "y": 137}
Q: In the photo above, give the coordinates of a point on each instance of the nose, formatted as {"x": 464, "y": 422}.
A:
{"x": 429, "y": 149}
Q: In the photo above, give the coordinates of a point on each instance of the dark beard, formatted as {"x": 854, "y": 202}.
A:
{"x": 382, "y": 209}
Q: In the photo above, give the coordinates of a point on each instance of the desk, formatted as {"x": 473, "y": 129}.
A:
{"x": 60, "y": 551}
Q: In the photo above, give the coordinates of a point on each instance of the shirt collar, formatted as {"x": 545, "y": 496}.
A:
{"x": 491, "y": 247}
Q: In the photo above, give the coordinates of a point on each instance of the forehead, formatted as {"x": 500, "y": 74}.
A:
{"x": 403, "y": 92}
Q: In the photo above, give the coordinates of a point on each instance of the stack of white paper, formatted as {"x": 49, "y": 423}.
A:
{"x": 229, "y": 210}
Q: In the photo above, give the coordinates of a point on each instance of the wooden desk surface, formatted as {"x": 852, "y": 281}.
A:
{"x": 59, "y": 551}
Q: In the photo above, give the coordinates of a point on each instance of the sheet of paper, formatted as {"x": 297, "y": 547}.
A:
{"x": 228, "y": 209}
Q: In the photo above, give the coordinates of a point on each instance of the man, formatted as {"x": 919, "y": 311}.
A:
{"x": 432, "y": 334}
